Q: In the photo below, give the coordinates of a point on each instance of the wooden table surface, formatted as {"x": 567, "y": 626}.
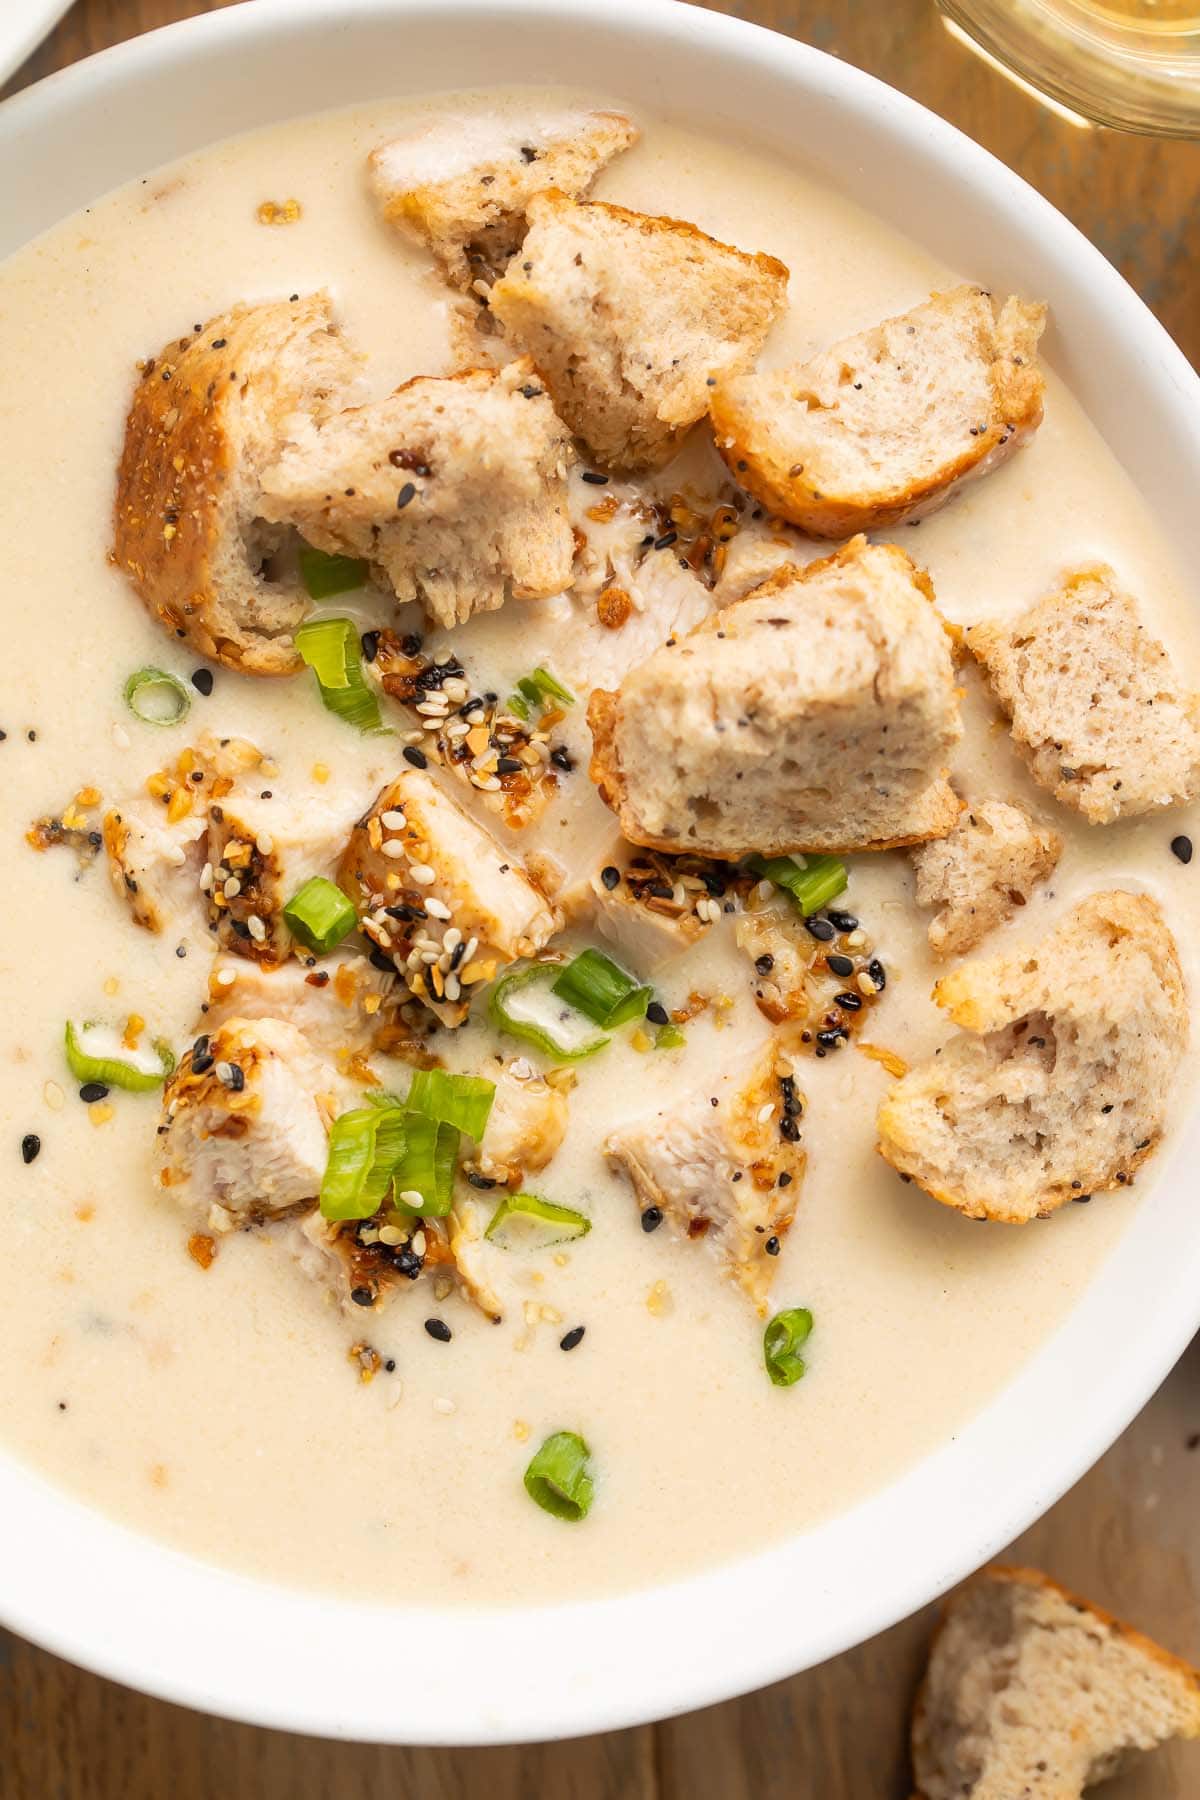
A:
{"x": 1128, "y": 1535}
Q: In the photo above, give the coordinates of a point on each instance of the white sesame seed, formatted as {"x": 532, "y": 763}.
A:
{"x": 452, "y": 939}
{"x": 430, "y": 707}
{"x": 423, "y": 875}
{"x": 442, "y": 1405}
{"x": 393, "y": 849}
{"x": 256, "y": 928}
{"x": 391, "y": 1235}
{"x": 457, "y": 728}
{"x": 856, "y": 940}
{"x": 223, "y": 1071}
{"x": 491, "y": 785}
{"x": 206, "y": 878}
{"x": 437, "y": 909}
{"x": 411, "y": 1197}
{"x": 226, "y": 977}
{"x": 53, "y": 1095}
{"x": 232, "y": 888}
{"x": 264, "y": 843}
{"x": 455, "y": 688}
{"x": 120, "y": 737}
{"x": 453, "y": 988}
{"x": 764, "y": 1112}
{"x": 393, "y": 820}
{"x": 865, "y": 984}
{"x": 472, "y": 947}
{"x": 419, "y": 1243}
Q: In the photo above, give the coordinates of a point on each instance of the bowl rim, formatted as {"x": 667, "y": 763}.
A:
{"x": 141, "y": 1613}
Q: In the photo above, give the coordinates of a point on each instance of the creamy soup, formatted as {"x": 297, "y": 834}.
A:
{"x": 239, "y": 1410}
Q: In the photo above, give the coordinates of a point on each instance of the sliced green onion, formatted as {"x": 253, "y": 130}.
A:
{"x": 463, "y": 1101}
{"x": 320, "y": 915}
{"x": 426, "y": 1169}
{"x": 812, "y": 881}
{"x": 364, "y": 1147}
{"x": 525, "y": 1005}
{"x": 597, "y": 986}
{"x": 557, "y": 1478}
{"x": 527, "y": 1222}
{"x": 156, "y": 697}
{"x": 331, "y": 649}
{"x": 323, "y": 576}
{"x": 541, "y": 686}
{"x": 669, "y": 1037}
{"x": 781, "y": 1345}
{"x": 517, "y": 707}
{"x": 103, "y": 1058}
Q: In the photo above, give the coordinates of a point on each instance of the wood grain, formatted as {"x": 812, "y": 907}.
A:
{"x": 1126, "y": 1535}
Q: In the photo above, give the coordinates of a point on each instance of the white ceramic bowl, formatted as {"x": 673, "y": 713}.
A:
{"x": 86, "y": 1588}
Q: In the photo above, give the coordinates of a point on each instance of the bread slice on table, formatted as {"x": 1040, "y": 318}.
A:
{"x": 208, "y": 414}
{"x": 460, "y": 184}
{"x": 1034, "y": 1694}
{"x": 979, "y": 875}
{"x": 629, "y": 317}
{"x": 1097, "y": 710}
{"x": 885, "y": 425}
{"x": 453, "y": 489}
{"x": 1057, "y": 1085}
{"x": 816, "y": 714}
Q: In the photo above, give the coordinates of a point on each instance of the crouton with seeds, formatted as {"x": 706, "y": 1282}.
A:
{"x": 460, "y": 184}
{"x": 453, "y": 489}
{"x": 884, "y": 426}
{"x": 724, "y": 1165}
{"x": 978, "y": 876}
{"x": 628, "y": 317}
{"x": 1032, "y": 1691}
{"x": 1057, "y": 1084}
{"x": 816, "y": 714}
{"x": 1097, "y": 709}
{"x": 208, "y": 415}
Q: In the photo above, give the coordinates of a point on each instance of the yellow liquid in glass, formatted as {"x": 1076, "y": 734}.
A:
{"x": 1170, "y": 17}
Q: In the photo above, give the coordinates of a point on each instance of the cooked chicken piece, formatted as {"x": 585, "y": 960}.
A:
{"x": 481, "y": 1266}
{"x": 339, "y": 1005}
{"x": 642, "y": 905}
{"x": 628, "y": 317}
{"x": 526, "y": 1124}
{"x": 664, "y": 601}
{"x": 155, "y": 840}
{"x": 751, "y": 558}
{"x": 452, "y": 488}
{"x": 260, "y": 853}
{"x": 817, "y": 714}
{"x": 440, "y": 895}
{"x": 783, "y": 955}
{"x": 460, "y": 184}
{"x": 725, "y": 1172}
{"x": 884, "y": 426}
{"x": 245, "y": 1122}
{"x": 358, "y": 1265}
{"x": 210, "y": 411}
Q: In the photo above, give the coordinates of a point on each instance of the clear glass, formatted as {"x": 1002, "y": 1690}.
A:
{"x": 1132, "y": 64}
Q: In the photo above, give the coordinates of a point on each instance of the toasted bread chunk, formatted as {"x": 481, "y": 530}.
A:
{"x": 460, "y": 184}
{"x": 815, "y": 714}
{"x": 245, "y": 1121}
{"x": 452, "y": 488}
{"x": 1057, "y": 1085}
{"x": 1097, "y": 710}
{"x": 1031, "y": 1691}
{"x": 884, "y": 426}
{"x": 628, "y": 316}
{"x": 728, "y": 1173}
{"x": 209, "y": 413}
{"x": 425, "y": 876}
{"x": 987, "y": 867}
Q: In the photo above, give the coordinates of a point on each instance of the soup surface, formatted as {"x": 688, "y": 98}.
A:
{"x": 237, "y": 1410}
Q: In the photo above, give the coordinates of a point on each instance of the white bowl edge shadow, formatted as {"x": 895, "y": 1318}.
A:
{"x": 87, "y": 1588}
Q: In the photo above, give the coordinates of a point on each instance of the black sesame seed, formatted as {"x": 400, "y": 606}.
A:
{"x": 486, "y": 1182}
{"x": 93, "y": 1090}
{"x": 31, "y": 1143}
{"x": 666, "y": 540}
{"x": 785, "y": 1180}
{"x": 438, "y": 1328}
{"x": 611, "y": 877}
{"x": 390, "y": 1366}
{"x": 530, "y": 392}
{"x": 876, "y": 971}
{"x": 411, "y": 645}
{"x": 383, "y": 963}
{"x": 820, "y": 928}
{"x": 1181, "y": 847}
{"x": 407, "y": 492}
{"x": 772, "y": 1246}
{"x": 851, "y": 1002}
{"x": 407, "y": 1262}
{"x": 594, "y": 478}
{"x": 235, "y": 1080}
{"x": 362, "y": 1296}
{"x": 573, "y": 1337}
{"x": 657, "y": 1013}
{"x": 416, "y": 757}
{"x": 561, "y": 759}
{"x": 764, "y": 964}
{"x": 839, "y": 965}
{"x": 652, "y": 1218}
{"x": 843, "y": 920}
{"x": 508, "y": 765}
{"x": 202, "y": 681}
{"x": 239, "y": 927}
{"x": 789, "y": 1129}
{"x": 202, "y": 1056}
{"x": 830, "y": 1040}
{"x": 219, "y": 343}
{"x": 370, "y": 645}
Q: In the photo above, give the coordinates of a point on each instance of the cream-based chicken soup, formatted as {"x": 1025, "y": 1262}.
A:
{"x": 471, "y": 880}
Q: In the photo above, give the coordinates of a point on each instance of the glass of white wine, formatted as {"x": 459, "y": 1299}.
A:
{"x": 1132, "y": 64}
